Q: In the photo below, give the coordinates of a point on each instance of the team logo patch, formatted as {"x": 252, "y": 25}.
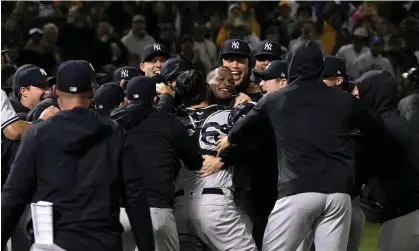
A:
{"x": 214, "y": 127}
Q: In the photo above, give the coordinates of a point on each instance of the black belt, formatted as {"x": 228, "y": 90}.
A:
{"x": 219, "y": 191}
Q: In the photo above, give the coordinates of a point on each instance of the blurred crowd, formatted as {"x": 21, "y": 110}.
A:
{"x": 374, "y": 35}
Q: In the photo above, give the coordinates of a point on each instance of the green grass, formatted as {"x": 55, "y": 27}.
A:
{"x": 370, "y": 237}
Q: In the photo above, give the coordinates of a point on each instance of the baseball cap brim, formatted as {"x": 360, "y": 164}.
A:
{"x": 156, "y": 54}
{"x": 99, "y": 75}
{"x": 240, "y": 54}
{"x": 266, "y": 54}
{"x": 265, "y": 75}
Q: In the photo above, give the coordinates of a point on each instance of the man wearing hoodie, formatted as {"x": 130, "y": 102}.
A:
{"x": 334, "y": 75}
{"x": 158, "y": 139}
{"x": 51, "y": 166}
{"x": 395, "y": 191}
{"x": 312, "y": 125}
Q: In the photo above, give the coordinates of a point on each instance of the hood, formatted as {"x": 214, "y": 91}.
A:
{"x": 378, "y": 90}
{"x": 17, "y": 106}
{"x": 130, "y": 115}
{"x": 80, "y": 128}
{"x": 305, "y": 61}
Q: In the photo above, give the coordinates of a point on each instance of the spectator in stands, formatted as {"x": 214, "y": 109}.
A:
{"x": 137, "y": 38}
{"x": 168, "y": 36}
{"x": 304, "y": 13}
{"x": 402, "y": 60}
{"x": 205, "y": 47}
{"x": 107, "y": 50}
{"x": 409, "y": 30}
{"x": 351, "y": 52}
{"x": 276, "y": 31}
{"x": 373, "y": 60}
{"x": 308, "y": 32}
{"x": 47, "y": 9}
{"x": 238, "y": 15}
{"x": 285, "y": 12}
{"x": 193, "y": 55}
{"x": 49, "y": 41}
{"x": 76, "y": 37}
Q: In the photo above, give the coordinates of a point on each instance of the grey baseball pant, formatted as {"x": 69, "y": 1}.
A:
{"x": 211, "y": 222}
{"x": 355, "y": 232}
{"x": 401, "y": 234}
{"x": 328, "y": 215}
{"x": 164, "y": 230}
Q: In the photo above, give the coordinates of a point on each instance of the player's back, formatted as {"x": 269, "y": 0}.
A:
{"x": 77, "y": 156}
{"x": 206, "y": 125}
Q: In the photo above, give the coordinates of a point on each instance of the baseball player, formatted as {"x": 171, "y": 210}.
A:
{"x": 334, "y": 75}
{"x": 312, "y": 125}
{"x": 266, "y": 52}
{"x": 154, "y": 55}
{"x": 391, "y": 195}
{"x": 123, "y": 74}
{"x": 265, "y": 177}
{"x": 235, "y": 54}
{"x": 206, "y": 215}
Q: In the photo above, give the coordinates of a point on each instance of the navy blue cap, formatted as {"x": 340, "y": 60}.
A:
{"x": 108, "y": 95}
{"x": 334, "y": 67}
{"x": 19, "y": 70}
{"x": 173, "y": 67}
{"x": 30, "y": 76}
{"x": 275, "y": 69}
{"x": 269, "y": 49}
{"x": 125, "y": 73}
{"x": 141, "y": 89}
{"x": 76, "y": 76}
{"x": 236, "y": 47}
{"x": 154, "y": 50}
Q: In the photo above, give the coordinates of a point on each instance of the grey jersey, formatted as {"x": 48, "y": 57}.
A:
{"x": 8, "y": 115}
{"x": 206, "y": 125}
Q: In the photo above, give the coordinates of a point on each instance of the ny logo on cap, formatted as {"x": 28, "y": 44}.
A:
{"x": 124, "y": 73}
{"x": 268, "y": 46}
{"x": 339, "y": 72}
{"x": 282, "y": 75}
{"x": 42, "y": 71}
{"x": 235, "y": 45}
{"x": 156, "y": 47}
